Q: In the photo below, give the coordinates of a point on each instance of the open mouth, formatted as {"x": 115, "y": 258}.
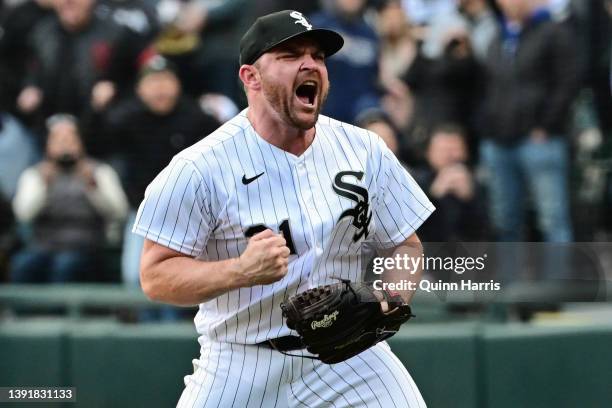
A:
{"x": 307, "y": 92}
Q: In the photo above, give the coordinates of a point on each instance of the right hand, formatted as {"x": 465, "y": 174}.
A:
{"x": 192, "y": 18}
{"x": 265, "y": 259}
{"x": 48, "y": 171}
{"x": 29, "y": 99}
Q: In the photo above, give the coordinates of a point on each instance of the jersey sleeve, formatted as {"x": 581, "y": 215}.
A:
{"x": 176, "y": 210}
{"x": 402, "y": 206}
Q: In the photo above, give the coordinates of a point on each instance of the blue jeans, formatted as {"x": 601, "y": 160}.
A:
{"x": 34, "y": 265}
{"x": 130, "y": 273}
{"x": 130, "y": 256}
{"x": 537, "y": 169}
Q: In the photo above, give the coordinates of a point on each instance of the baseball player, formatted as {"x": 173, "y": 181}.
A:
{"x": 276, "y": 201}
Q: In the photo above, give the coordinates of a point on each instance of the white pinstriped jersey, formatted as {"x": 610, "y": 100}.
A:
{"x": 347, "y": 187}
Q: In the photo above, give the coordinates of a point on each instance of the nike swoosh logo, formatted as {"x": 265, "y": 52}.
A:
{"x": 246, "y": 180}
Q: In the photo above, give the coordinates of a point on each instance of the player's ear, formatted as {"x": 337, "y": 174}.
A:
{"x": 249, "y": 75}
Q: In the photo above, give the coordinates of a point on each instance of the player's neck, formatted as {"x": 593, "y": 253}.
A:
{"x": 276, "y": 132}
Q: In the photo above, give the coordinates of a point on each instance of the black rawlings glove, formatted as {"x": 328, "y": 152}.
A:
{"x": 339, "y": 321}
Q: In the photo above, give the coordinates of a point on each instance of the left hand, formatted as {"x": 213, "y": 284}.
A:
{"x": 461, "y": 182}
{"x": 85, "y": 171}
{"x": 101, "y": 94}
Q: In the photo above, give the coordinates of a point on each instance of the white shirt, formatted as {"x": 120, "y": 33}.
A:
{"x": 200, "y": 205}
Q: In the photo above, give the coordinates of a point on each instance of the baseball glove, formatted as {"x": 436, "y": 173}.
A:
{"x": 339, "y": 321}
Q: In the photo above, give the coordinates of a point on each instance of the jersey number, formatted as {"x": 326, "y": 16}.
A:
{"x": 283, "y": 227}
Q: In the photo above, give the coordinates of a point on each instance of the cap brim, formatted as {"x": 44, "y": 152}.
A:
{"x": 330, "y": 41}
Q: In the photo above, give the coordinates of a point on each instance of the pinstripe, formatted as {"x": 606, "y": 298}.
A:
{"x": 363, "y": 381}
{"x": 378, "y": 378}
{"x": 400, "y": 367}
{"x": 263, "y": 396}
{"x": 302, "y": 230}
{"x": 390, "y": 370}
{"x": 244, "y": 352}
{"x": 246, "y": 142}
{"x": 252, "y": 222}
{"x": 298, "y": 193}
{"x": 209, "y": 349}
{"x": 229, "y": 370}
{"x": 313, "y": 392}
{"x": 214, "y": 191}
{"x": 212, "y": 386}
{"x": 280, "y": 381}
{"x": 163, "y": 222}
{"x": 254, "y": 375}
{"x": 178, "y": 213}
{"x": 224, "y": 240}
{"x": 349, "y": 140}
{"x": 275, "y": 217}
{"x": 157, "y": 201}
{"x": 198, "y": 188}
{"x": 327, "y": 172}
{"x": 204, "y": 373}
{"x": 240, "y": 229}
{"x": 193, "y": 205}
{"x": 336, "y": 230}
{"x": 408, "y": 205}
{"x": 296, "y": 397}
{"x": 315, "y": 206}
{"x": 291, "y": 381}
{"x": 331, "y": 367}
{"x": 359, "y": 139}
{"x": 314, "y": 369}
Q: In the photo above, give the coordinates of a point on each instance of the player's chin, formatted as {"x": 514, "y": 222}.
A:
{"x": 305, "y": 121}
{"x": 305, "y": 117}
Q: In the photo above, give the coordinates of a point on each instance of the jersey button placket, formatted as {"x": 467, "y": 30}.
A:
{"x": 303, "y": 176}
{"x": 305, "y": 195}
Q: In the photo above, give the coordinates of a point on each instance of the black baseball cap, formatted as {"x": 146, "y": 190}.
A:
{"x": 156, "y": 63}
{"x": 273, "y": 29}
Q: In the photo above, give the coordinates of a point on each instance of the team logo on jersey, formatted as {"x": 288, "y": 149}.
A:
{"x": 301, "y": 19}
{"x": 361, "y": 212}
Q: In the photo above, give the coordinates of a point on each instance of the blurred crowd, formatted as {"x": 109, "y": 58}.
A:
{"x": 501, "y": 109}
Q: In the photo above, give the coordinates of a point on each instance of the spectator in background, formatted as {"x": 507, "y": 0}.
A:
{"x": 453, "y": 189}
{"x": 202, "y": 38}
{"x": 139, "y": 16}
{"x": 67, "y": 198}
{"x": 446, "y": 89}
{"x": 17, "y": 152}
{"x": 423, "y": 11}
{"x": 378, "y": 121}
{"x": 7, "y": 236}
{"x": 150, "y": 128}
{"x": 482, "y": 25}
{"x": 79, "y": 60}
{"x": 15, "y": 28}
{"x": 307, "y": 7}
{"x": 533, "y": 79}
{"x": 398, "y": 49}
{"x": 398, "y": 44}
{"x": 354, "y": 69}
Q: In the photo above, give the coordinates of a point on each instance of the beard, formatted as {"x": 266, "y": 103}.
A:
{"x": 283, "y": 101}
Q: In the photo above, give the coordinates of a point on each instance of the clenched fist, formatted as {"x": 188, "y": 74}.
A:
{"x": 264, "y": 260}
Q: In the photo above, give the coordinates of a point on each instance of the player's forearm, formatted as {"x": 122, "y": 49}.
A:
{"x": 172, "y": 277}
{"x": 184, "y": 281}
{"x": 413, "y": 249}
